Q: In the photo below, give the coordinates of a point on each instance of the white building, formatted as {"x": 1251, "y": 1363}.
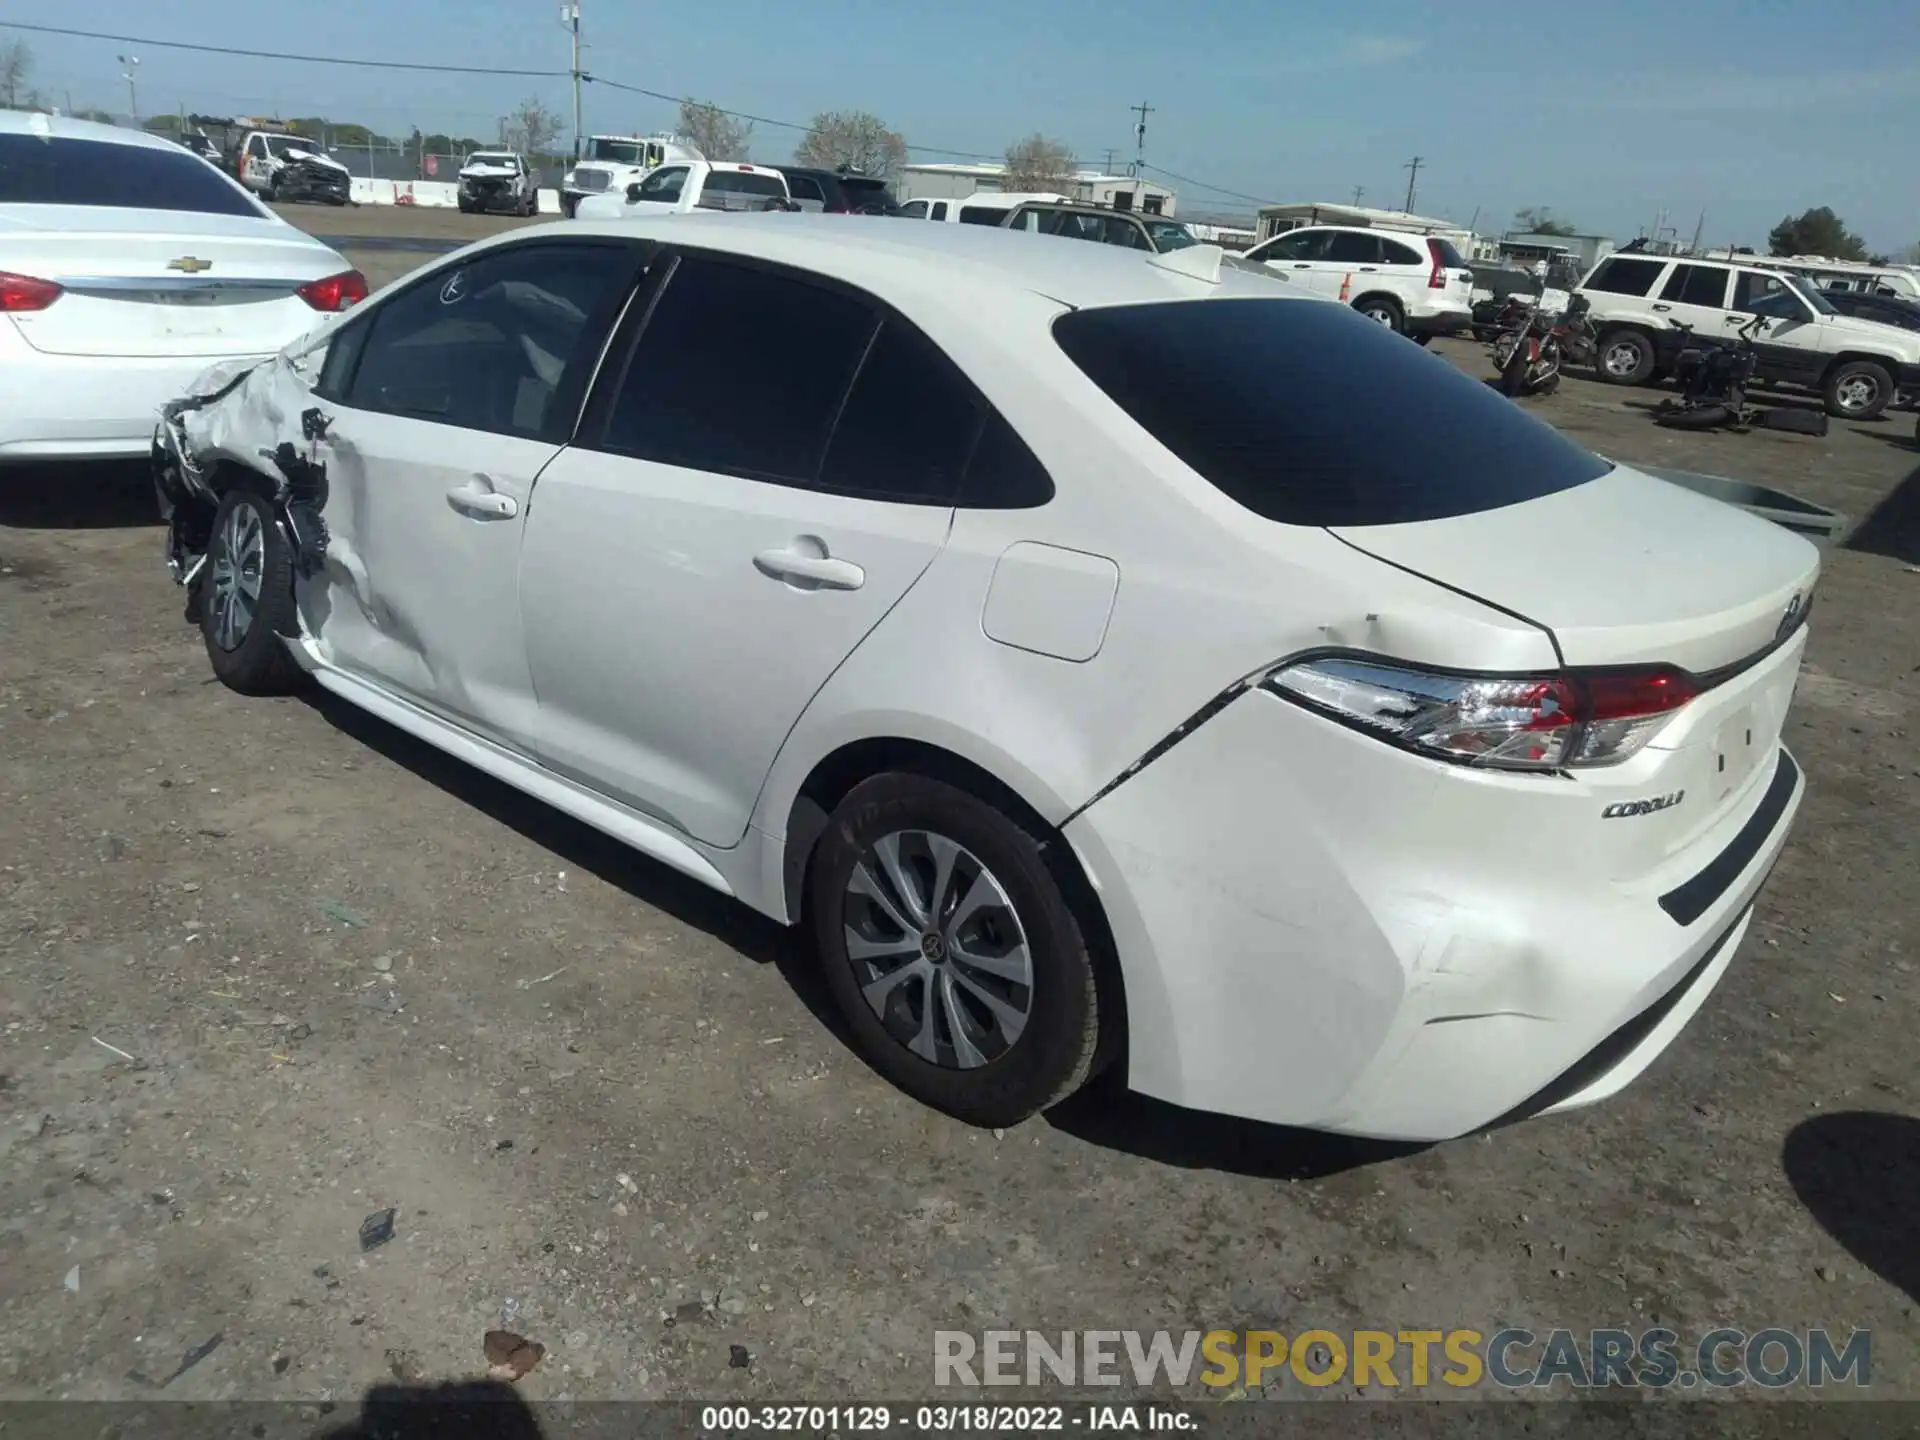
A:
{"x": 1090, "y": 187}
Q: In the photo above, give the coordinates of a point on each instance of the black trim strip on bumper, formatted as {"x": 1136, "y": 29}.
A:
{"x": 1688, "y": 902}
{"x": 1620, "y": 1044}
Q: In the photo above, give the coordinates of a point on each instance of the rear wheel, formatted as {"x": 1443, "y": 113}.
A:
{"x": 246, "y": 598}
{"x": 1383, "y": 310}
{"x": 1626, "y": 357}
{"x": 1858, "y": 390}
{"x": 958, "y": 964}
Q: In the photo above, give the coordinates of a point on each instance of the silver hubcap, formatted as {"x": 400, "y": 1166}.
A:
{"x": 1857, "y": 393}
{"x": 239, "y": 560}
{"x": 1622, "y": 359}
{"x": 1379, "y": 314}
{"x": 938, "y": 949}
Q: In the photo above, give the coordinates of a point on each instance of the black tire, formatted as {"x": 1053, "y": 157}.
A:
{"x": 1383, "y": 310}
{"x": 1857, "y": 378}
{"x": 465, "y": 207}
{"x": 257, "y": 662}
{"x": 1700, "y": 417}
{"x": 1513, "y": 375}
{"x": 1053, "y": 1055}
{"x": 1610, "y": 357}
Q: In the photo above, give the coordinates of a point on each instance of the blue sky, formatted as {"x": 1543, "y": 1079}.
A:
{"x": 1606, "y": 113}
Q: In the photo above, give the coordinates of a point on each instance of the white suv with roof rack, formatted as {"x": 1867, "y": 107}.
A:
{"x": 1419, "y": 285}
{"x": 1640, "y": 302}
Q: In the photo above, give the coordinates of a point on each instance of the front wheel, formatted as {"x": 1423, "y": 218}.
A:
{"x": 1858, "y": 390}
{"x": 1626, "y": 357}
{"x": 958, "y": 964}
{"x": 246, "y": 598}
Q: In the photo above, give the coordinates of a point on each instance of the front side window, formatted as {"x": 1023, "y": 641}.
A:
{"x": 1696, "y": 285}
{"x": 913, "y": 209}
{"x": 1298, "y": 245}
{"x": 662, "y": 185}
{"x": 99, "y": 173}
{"x": 741, "y": 370}
{"x": 491, "y": 344}
{"x": 1755, "y": 292}
{"x": 1201, "y": 376}
{"x": 1619, "y": 275}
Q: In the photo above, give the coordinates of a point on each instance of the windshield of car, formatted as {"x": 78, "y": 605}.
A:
{"x": 1202, "y": 377}
{"x": 1811, "y": 293}
{"x": 620, "y": 152}
{"x": 1170, "y": 235}
{"x": 279, "y": 145}
{"x": 483, "y": 157}
{"x": 35, "y": 171}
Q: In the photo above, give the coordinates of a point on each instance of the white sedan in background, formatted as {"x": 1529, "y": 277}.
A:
{"x": 127, "y": 263}
{"x": 1110, "y": 658}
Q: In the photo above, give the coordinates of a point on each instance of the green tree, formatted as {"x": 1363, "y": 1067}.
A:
{"x": 1816, "y": 232}
{"x": 1540, "y": 220}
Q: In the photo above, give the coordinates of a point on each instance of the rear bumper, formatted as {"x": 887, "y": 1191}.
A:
{"x": 86, "y": 407}
{"x": 1441, "y": 322}
{"x": 1372, "y": 946}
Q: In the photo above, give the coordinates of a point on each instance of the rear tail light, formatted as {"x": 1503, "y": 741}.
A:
{"x": 20, "y": 294}
{"x": 1504, "y": 722}
{"x": 1437, "y": 277}
{"x": 336, "y": 292}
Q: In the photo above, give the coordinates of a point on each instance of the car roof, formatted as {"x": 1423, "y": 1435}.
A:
{"x": 958, "y": 264}
{"x": 65, "y": 127}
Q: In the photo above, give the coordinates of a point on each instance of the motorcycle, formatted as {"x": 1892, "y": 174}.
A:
{"x": 1531, "y": 348}
{"x": 1713, "y": 377}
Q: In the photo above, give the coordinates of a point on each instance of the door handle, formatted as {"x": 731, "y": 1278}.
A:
{"x": 483, "y": 504}
{"x": 818, "y": 571}
{"x": 1303, "y": 265}
{"x": 1663, "y": 308}
{"x": 1368, "y": 269}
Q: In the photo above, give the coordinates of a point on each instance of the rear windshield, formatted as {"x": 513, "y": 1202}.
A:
{"x": 59, "y": 171}
{"x": 1307, "y": 414}
{"x": 744, "y": 182}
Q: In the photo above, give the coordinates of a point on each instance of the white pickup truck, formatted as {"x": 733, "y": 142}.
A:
{"x": 680, "y": 189}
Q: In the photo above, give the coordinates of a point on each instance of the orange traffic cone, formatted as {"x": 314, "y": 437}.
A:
{"x": 1346, "y": 285}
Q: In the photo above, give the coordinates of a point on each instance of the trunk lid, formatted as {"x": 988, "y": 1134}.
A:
{"x": 1623, "y": 570}
{"x": 139, "y": 284}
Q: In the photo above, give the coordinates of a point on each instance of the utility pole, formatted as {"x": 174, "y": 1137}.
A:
{"x": 132, "y": 62}
{"x": 570, "y": 17}
{"x": 1111, "y": 152}
{"x": 1412, "y": 167}
{"x": 1358, "y": 191}
{"x": 1140, "y": 148}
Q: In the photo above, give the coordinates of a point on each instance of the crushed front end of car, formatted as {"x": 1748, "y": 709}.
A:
{"x": 242, "y": 423}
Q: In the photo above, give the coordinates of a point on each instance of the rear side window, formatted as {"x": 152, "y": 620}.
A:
{"x": 1398, "y": 254}
{"x": 745, "y": 182}
{"x": 1351, "y": 248}
{"x": 1620, "y": 276}
{"x": 803, "y": 188}
{"x": 1309, "y": 415}
{"x": 981, "y": 214}
{"x": 907, "y": 426}
{"x": 739, "y": 370}
{"x": 1004, "y": 474}
{"x": 64, "y": 171}
{"x": 1696, "y": 285}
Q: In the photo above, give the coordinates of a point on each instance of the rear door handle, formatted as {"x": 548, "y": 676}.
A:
{"x": 821, "y": 571}
{"x": 1368, "y": 269}
{"x": 482, "y": 504}
{"x": 1303, "y": 265}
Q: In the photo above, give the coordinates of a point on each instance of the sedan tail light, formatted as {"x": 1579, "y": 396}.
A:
{"x": 1504, "y": 722}
{"x": 22, "y": 293}
{"x": 336, "y": 292}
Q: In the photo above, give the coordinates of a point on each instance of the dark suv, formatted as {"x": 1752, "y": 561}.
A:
{"x": 838, "y": 193}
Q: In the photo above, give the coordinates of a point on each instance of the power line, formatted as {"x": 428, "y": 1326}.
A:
{"x": 423, "y": 66}
{"x": 283, "y": 55}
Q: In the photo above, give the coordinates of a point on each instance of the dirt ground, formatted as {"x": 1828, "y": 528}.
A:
{"x": 269, "y": 967}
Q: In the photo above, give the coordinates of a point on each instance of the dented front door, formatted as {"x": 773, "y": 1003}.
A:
{"x": 464, "y": 386}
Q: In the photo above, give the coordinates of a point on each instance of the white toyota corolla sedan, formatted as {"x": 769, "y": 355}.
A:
{"x": 1111, "y": 659}
{"x": 127, "y": 264}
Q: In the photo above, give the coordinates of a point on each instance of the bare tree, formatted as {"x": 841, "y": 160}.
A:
{"x": 717, "y": 135}
{"x": 854, "y": 139}
{"x": 533, "y": 126}
{"x": 16, "y": 64}
{"x": 1540, "y": 220}
{"x": 1038, "y": 163}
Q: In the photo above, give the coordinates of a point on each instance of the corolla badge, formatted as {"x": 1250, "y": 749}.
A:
{"x": 1627, "y": 809}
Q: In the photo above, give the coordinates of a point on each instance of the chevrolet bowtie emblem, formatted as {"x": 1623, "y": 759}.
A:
{"x": 189, "y": 265}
